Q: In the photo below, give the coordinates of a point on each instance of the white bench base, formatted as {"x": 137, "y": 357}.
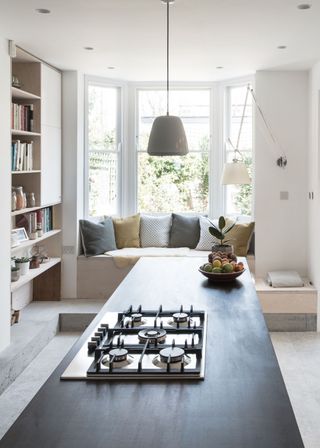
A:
{"x": 288, "y": 309}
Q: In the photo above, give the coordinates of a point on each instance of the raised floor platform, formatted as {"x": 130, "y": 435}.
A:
{"x": 288, "y": 309}
{"x": 39, "y": 323}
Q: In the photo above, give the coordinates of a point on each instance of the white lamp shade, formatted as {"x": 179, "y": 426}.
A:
{"x": 167, "y": 137}
{"x": 235, "y": 173}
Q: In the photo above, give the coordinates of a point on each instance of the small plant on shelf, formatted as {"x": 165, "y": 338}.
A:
{"x": 23, "y": 263}
{"x": 15, "y": 273}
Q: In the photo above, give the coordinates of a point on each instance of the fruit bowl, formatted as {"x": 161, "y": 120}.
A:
{"x": 221, "y": 276}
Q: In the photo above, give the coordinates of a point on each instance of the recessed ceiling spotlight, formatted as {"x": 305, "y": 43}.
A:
{"x": 219, "y": 67}
{"x": 88, "y": 48}
{"x": 304, "y": 6}
{"x": 111, "y": 67}
{"x": 282, "y": 47}
{"x": 43, "y": 11}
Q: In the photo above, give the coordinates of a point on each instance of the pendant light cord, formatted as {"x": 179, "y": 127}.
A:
{"x": 167, "y": 57}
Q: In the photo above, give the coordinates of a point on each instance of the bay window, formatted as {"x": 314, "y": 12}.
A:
{"x": 189, "y": 183}
{"x": 174, "y": 183}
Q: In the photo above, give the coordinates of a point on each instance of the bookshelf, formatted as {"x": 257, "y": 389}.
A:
{"x": 36, "y": 167}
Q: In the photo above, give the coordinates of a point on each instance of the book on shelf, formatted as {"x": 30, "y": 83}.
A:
{"x": 22, "y": 156}
{"x": 34, "y": 220}
{"x": 22, "y": 117}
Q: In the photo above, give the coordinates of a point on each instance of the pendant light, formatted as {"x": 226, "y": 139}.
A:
{"x": 167, "y": 137}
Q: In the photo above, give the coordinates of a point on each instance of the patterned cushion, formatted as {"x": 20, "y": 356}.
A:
{"x": 155, "y": 230}
{"x": 206, "y": 239}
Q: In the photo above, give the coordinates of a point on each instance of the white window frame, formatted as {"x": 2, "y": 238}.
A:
{"x": 225, "y": 110}
{"x": 103, "y": 82}
{"x": 136, "y": 88}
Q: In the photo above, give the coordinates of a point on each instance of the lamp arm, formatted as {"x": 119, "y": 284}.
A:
{"x": 242, "y": 119}
{"x": 282, "y": 160}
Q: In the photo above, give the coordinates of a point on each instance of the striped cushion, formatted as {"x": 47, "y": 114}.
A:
{"x": 155, "y": 230}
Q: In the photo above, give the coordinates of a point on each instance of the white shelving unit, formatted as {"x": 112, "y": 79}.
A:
{"x": 32, "y": 209}
{"x": 19, "y": 94}
{"x": 26, "y": 172}
{"x": 25, "y": 133}
{"x": 33, "y": 273}
{"x": 30, "y": 243}
{"x": 41, "y": 87}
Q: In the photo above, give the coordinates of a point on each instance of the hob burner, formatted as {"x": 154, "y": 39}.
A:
{"x": 118, "y": 354}
{"x": 136, "y": 317}
{"x": 152, "y": 335}
{"x": 171, "y": 354}
{"x": 180, "y": 317}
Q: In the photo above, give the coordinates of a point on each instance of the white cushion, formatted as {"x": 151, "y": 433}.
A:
{"x": 150, "y": 252}
{"x": 206, "y": 239}
{"x": 155, "y": 230}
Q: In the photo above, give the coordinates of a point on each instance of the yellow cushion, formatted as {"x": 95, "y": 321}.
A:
{"x": 240, "y": 237}
{"x": 127, "y": 231}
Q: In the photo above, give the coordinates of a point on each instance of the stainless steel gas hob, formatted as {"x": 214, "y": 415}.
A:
{"x": 143, "y": 344}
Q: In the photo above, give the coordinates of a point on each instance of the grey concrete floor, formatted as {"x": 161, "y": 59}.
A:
{"x": 299, "y": 359}
{"x": 16, "y": 397}
{"x": 298, "y": 355}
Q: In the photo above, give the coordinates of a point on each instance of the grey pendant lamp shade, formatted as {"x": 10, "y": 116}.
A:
{"x": 167, "y": 136}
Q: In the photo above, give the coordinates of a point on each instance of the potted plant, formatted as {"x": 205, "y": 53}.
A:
{"x": 15, "y": 273}
{"x": 23, "y": 263}
{"x": 220, "y": 233}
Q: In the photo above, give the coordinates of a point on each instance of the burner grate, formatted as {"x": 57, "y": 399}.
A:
{"x": 149, "y": 344}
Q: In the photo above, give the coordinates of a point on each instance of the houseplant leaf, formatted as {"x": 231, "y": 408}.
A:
{"x": 230, "y": 227}
{"x": 216, "y": 233}
{"x": 221, "y": 223}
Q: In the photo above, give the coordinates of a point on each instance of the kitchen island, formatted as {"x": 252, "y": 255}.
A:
{"x": 241, "y": 403}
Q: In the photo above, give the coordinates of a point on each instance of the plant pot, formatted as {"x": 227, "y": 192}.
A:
{"x": 24, "y": 267}
{"x": 224, "y": 248}
{"x": 15, "y": 275}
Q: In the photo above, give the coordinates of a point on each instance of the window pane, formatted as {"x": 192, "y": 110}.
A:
{"x": 102, "y": 149}
{"x": 192, "y": 106}
{"x": 175, "y": 183}
{"x": 102, "y": 183}
{"x": 239, "y": 197}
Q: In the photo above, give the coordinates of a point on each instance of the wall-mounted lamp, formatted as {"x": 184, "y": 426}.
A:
{"x": 236, "y": 172}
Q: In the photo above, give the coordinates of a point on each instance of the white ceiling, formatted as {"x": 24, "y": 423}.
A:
{"x": 240, "y": 35}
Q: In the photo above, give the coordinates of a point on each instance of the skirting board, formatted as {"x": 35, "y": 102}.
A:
{"x": 291, "y": 322}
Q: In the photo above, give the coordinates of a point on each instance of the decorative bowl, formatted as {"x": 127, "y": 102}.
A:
{"x": 221, "y": 277}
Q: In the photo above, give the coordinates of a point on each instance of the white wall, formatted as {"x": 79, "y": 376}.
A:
{"x": 314, "y": 173}
{"x": 5, "y": 189}
{"x": 72, "y": 177}
{"x": 282, "y": 225}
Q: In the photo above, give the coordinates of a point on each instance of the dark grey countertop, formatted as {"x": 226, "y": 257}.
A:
{"x": 242, "y": 402}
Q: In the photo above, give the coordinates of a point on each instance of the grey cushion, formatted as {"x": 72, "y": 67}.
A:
{"x": 185, "y": 231}
{"x": 97, "y": 238}
{"x": 155, "y": 230}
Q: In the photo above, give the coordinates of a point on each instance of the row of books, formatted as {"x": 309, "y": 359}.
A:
{"x": 22, "y": 156}
{"x": 22, "y": 117}
{"x": 41, "y": 219}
